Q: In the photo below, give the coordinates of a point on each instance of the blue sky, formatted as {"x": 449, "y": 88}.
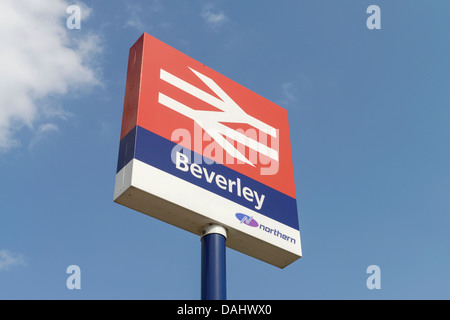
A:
{"x": 369, "y": 119}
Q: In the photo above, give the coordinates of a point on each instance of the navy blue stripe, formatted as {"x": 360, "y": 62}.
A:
{"x": 156, "y": 151}
{"x": 126, "y": 149}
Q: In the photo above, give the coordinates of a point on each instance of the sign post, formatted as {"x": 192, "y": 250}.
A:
{"x": 198, "y": 149}
{"x": 213, "y": 279}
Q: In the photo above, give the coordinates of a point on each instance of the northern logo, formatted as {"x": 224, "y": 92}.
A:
{"x": 249, "y": 221}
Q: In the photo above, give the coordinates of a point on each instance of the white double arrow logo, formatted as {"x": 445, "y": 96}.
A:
{"x": 210, "y": 121}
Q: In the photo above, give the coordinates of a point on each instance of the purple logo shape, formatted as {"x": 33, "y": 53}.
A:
{"x": 246, "y": 220}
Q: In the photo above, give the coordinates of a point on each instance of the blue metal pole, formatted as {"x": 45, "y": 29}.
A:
{"x": 213, "y": 263}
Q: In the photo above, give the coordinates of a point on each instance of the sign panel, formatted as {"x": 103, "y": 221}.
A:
{"x": 198, "y": 148}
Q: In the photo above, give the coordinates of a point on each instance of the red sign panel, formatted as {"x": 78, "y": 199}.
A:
{"x": 226, "y": 121}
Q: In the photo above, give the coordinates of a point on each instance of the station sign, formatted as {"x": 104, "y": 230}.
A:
{"x": 197, "y": 148}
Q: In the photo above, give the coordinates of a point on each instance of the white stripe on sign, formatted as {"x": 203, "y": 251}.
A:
{"x": 210, "y": 121}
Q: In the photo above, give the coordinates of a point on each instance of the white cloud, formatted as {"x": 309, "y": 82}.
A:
{"x": 213, "y": 18}
{"x": 289, "y": 94}
{"x": 289, "y": 90}
{"x": 295, "y": 93}
{"x": 134, "y": 19}
{"x": 8, "y": 259}
{"x": 143, "y": 19}
{"x": 47, "y": 127}
{"x": 43, "y": 131}
{"x": 40, "y": 58}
